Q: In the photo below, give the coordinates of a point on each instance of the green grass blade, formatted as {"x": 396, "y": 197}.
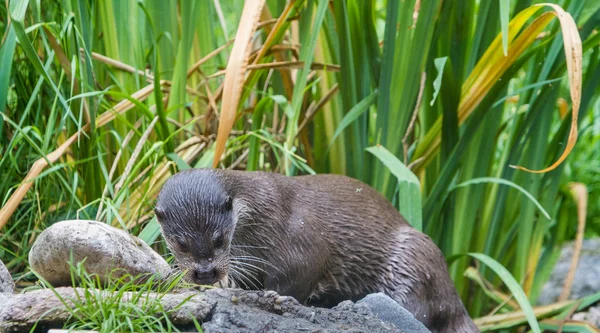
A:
{"x": 437, "y": 83}
{"x": 189, "y": 14}
{"x": 264, "y": 104}
{"x": 308, "y": 41}
{"x": 484, "y": 180}
{"x": 526, "y": 88}
{"x": 151, "y": 232}
{"x": 387, "y": 72}
{"x": 18, "y": 17}
{"x": 510, "y": 283}
{"x": 181, "y": 164}
{"x": 7, "y": 51}
{"x": 409, "y": 186}
{"x": 206, "y": 160}
{"x": 353, "y": 114}
{"x": 504, "y": 18}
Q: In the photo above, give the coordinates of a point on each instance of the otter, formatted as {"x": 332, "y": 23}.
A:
{"x": 321, "y": 239}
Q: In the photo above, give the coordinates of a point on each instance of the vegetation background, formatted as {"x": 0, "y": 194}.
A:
{"x": 431, "y": 102}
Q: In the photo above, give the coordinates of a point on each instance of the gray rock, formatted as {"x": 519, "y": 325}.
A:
{"x": 103, "y": 247}
{"x": 586, "y": 277}
{"x": 4, "y": 299}
{"x": 592, "y": 316}
{"x": 219, "y": 310}
{"x": 252, "y": 311}
{"x": 390, "y": 311}
{"x": 7, "y": 285}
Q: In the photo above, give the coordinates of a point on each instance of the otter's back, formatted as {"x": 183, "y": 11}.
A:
{"x": 361, "y": 228}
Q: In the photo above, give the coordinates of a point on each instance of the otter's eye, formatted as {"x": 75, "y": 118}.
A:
{"x": 182, "y": 246}
{"x": 228, "y": 204}
{"x": 219, "y": 242}
{"x": 159, "y": 213}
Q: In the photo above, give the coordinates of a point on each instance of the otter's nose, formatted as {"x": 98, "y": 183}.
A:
{"x": 205, "y": 275}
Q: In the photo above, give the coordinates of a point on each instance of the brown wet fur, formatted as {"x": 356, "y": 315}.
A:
{"x": 321, "y": 239}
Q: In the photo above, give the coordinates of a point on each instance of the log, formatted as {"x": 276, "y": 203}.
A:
{"x": 50, "y": 308}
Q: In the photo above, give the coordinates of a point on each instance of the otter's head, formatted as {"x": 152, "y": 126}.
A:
{"x": 196, "y": 217}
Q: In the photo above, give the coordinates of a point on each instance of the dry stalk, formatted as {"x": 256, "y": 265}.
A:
{"x": 312, "y": 110}
{"x": 283, "y": 65}
{"x": 580, "y": 194}
{"x": 414, "y": 117}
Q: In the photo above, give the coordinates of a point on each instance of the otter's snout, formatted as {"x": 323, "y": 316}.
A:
{"x": 205, "y": 275}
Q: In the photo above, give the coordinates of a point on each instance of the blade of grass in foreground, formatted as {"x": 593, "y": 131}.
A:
{"x": 7, "y": 51}
{"x": 510, "y": 282}
{"x": 409, "y": 200}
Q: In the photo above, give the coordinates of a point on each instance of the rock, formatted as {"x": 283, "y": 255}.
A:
{"x": 592, "y": 316}
{"x": 105, "y": 248}
{"x": 586, "y": 277}
{"x": 390, "y": 311}
{"x": 254, "y": 311}
{"x": 7, "y": 285}
{"x": 4, "y": 299}
{"x": 43, "y": 309}
{"x": 257, "y": 311}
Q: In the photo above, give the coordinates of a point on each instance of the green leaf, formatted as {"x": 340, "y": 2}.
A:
{"x": 18, "y": 17}
{"x": 150, "y": 232}
{"x": 387, "y": 68}
{"x": 504, "y": 13}
{"x": 409, "y": 198}
{"x": 181, "y": 164}
{"x": 353, "y": 114}
{"x": 206, "y": 159}
{"x": 503, "y": 182}
{"x": 308, "y": 41}
{"x": 189, "y": 14}
{"x": 437, "y": 83}
{"x": 511, "y": 283}
{"x": 528, "y": 87}
{"x": 7, "y": 51}
{"x": 259, "y": 111}
{"x": 578, "y": 327}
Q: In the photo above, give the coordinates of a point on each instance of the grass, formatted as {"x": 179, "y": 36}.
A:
{"x": 102, "y": 101}
{"x": 119, "y": 305}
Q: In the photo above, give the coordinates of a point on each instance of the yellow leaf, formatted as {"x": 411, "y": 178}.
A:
{"x": 493, "y": 64}
{"x": 491, "y": 72}
{"x": 573, "y": 57}
{"x": 563, "y": 107}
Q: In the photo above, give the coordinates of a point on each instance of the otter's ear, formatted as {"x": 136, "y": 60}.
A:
{"x": 159, "y": 213}
{"x": 228, "y": 204}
